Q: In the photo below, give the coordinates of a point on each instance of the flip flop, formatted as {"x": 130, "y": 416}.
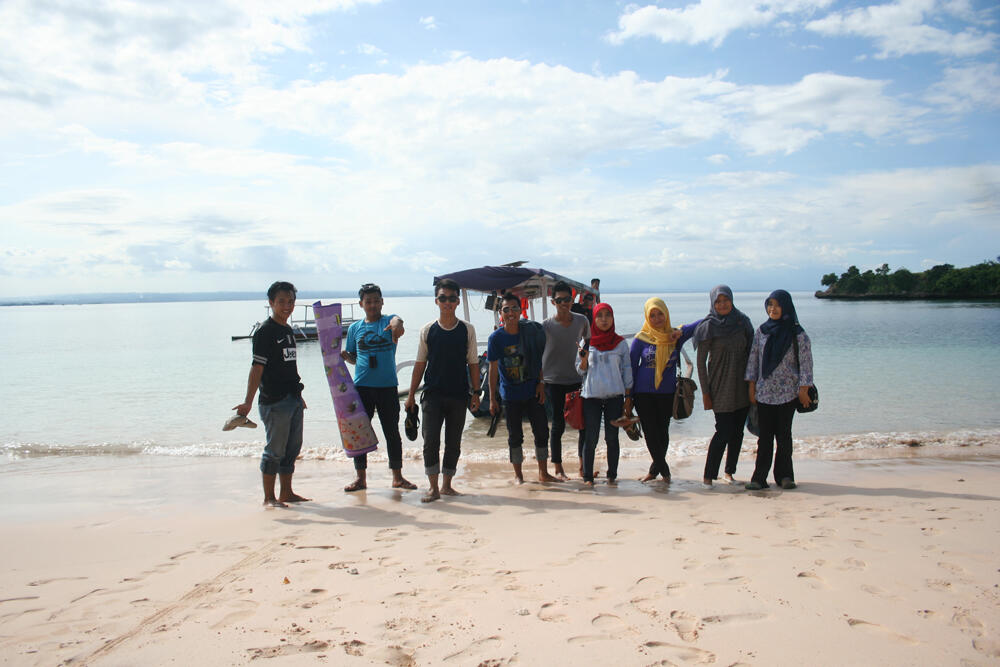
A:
{"x": 633, "y": 431}
{"x": 623, "y": 421}
{"x": 237, "y": 420}
{"x": 492, "y": 430}
{"x": 412, "y": 423}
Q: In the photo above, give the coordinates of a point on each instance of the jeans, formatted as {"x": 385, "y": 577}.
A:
{"x": 283, "y": 433}
{"x": 728, "y": 438}
{"x": 450, "y": 412}
{"x": 386, "y": 401}
{"x": 593, "y": 409}
{"x": 555, "y": 394}
{"x": 513, "y": 412}
{"x": 654, "y": 412}
{"x": 775, "y": 423}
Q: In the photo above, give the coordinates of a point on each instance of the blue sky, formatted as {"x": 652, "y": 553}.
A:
{"x": 203, "y": 145}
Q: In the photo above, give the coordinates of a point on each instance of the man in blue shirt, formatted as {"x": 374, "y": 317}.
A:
{"x": 371, "y": 347}
{"x": 515, "y": 355}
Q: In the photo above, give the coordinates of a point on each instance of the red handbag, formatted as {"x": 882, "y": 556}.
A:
{"x": 573, "y": 411}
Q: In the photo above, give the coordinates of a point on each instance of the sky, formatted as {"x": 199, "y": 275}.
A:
{"x": 213, "y": 145}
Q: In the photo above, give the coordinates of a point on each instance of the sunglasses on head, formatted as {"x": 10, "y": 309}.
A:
{"x": 447, "y": 298}
{"x": 562, "y": 299}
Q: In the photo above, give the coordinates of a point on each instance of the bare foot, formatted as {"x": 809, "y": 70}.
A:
{"x": 292, "y": 498}
{"x": 431, "y": 496}
{"x": 729, "y": 478}
{"x": 707, "y": 483}
{"x": 449, "y": 491}
{"x": 647, "y": 478}
{"x": 273, "y": 502}
{"x": 546, "y": 477}
{"x": 559, "y": 472}
{"x": 356, "y": 485}
{"x": 612, "y": 482}
{"x": 403, "y": 483}
{"x": 588, "y": 485}
{"x": 562, "y": 476}
{"x": 519, "y": 479}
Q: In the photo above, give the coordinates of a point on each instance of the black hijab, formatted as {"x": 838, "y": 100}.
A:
{"x": 780, "y": 333}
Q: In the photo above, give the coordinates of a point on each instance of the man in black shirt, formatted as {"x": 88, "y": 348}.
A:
{"x": 275, "y": 372}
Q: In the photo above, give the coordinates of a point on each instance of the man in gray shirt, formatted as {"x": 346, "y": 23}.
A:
{"x": 563, "y": 333}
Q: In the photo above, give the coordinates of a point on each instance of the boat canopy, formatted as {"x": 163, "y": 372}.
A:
{"x": 523, "y": 281}
{"x": 526, "y": 283}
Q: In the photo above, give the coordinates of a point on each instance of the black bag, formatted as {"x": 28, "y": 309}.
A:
{"x": 684, "y": 394}
{"x": 752, "y": 420}
{"x": 813, "y": 392}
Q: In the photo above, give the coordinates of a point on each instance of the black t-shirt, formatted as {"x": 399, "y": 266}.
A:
{"x": 274, "y": 349}
{"x": 447, "y": 372}
{"x": 586, "y": 312}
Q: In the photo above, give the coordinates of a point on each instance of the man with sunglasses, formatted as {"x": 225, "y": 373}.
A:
{"x": 515, "y": 354}
{"x": 564, "y": 332}
{"x": 371, "y": 346}
{"x": 447, "y": 359}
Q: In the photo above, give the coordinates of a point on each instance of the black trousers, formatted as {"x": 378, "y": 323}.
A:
{"x": 556, "y": 396}
{"x": 654, "y": 412}
{"x": 385, "y": 400}
{"x": 449, "y": 412}
{"x": 775, "y": 422}
{"x": 594, "y": 409}
{"x": 728, "y": 438}
{"x": 514, "y": 412}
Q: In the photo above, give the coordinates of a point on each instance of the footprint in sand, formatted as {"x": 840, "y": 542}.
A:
{"x": 878, "y": 592}
{"x": 395, "y": 655}
{"x": 687, "y": 626}
{"x": 676, "y": 653}
{"x": 967, "y": 623}
{"x": 646, "y": 583}
{"x": 477, "y": 651}
{"x": 731, "y": 581}
{"x": 314, "y": 646}
{"x": 988, "y": 647}
{"x": 588, "y": 639}
{"x": 551, "y": 612}
{"x": 939, "y": 584}
{"x": 813, "y": 579}
{"x": 875, "y": 628}
{"x": 354, "y": 647}
{"x": 951, "y": 567}
{"x": 854, "y": 564}
{"x": 609, "y": 623}
{"x": 243, "y": 609}
{"x": 736, "y": 619}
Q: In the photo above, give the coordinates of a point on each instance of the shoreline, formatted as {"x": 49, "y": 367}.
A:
{"x": 888, "y": 561}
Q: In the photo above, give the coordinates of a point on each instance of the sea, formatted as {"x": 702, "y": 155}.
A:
{"x": 160, "y": 379}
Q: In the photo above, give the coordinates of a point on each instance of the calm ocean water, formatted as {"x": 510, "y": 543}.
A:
{"x": 162, "y": 378}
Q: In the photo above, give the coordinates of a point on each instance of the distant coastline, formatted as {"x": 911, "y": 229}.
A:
{"x": 980, "y": 282}
{"x": 304, "y": 296}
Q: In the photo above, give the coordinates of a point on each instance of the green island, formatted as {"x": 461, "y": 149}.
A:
{"x": 944, "y": 281}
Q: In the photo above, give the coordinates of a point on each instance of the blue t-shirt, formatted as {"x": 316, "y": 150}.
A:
{"x": 369, "y": 341}
{"x": 512, "y": 367}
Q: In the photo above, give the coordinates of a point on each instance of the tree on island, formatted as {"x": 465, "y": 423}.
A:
{"x": 942, "y": 281}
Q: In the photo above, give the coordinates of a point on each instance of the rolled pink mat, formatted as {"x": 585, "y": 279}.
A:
{"x": 356, "y": 432}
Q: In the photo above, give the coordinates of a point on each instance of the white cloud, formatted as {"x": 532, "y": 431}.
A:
{"x": 718, "y": 158}
{"x": 370, "y": 50}
{"x": 428, "y": 22}
{"x": 900, "y": 28}
{"x": 707, "y": 21}
{"x": 964, "y": 89}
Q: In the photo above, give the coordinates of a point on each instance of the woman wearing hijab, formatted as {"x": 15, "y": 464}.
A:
{"x": 606, "y": 390}
{"x": 654, "y": 356}
{"x": 723, "y": 343}
{"x": 780, "y": 372}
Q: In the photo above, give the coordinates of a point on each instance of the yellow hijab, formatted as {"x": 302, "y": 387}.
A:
{"x": 659, "y": 337}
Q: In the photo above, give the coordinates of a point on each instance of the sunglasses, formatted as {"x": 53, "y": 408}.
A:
{"x": 511, "y": 309}
{"x": 446, "y": 298}
{"x": 562, "y": 299}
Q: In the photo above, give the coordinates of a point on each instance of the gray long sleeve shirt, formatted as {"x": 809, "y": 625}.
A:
{"x": 722, "y": 363}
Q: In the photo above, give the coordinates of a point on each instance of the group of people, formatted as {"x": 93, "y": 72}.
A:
{"x": 531, "y": 363}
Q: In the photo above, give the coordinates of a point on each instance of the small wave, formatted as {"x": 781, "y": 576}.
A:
{"x": 476, "y": 447}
